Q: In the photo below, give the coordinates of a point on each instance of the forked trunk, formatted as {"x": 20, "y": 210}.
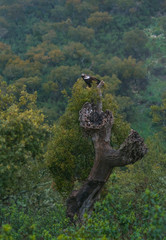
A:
{"x": 98, "y": 125}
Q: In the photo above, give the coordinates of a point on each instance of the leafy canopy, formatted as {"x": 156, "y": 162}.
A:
{"x": 23, "y": 135}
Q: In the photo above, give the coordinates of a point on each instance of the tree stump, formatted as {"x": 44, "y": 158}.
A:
{"x": 98, "y": 124}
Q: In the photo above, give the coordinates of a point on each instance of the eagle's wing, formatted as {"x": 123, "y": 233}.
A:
{"x": 87, "y": 77}
{"x": 95, "y": 79}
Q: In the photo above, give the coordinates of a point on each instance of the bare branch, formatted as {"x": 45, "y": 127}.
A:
{"x": 132, "y": 150}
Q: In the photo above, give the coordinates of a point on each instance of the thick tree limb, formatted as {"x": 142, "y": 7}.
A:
{"x": 98, "y": 124}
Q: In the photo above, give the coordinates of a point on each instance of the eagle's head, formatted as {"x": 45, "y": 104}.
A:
{"x": 83, "y": 75}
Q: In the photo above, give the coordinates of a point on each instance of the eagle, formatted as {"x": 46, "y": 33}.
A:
{"x": 89, "y": 79}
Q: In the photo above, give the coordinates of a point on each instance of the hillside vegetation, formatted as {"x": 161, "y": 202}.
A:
{"x": 45, "y": 45}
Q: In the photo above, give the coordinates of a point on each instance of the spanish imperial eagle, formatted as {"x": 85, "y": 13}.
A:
{"x": 88, "y": 79}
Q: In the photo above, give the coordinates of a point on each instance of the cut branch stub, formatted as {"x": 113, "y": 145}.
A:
{"x": 91, "y": 119}
{"x": 133, "y": 147}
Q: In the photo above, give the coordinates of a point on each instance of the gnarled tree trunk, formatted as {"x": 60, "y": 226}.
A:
{"x": 98, "y": 124}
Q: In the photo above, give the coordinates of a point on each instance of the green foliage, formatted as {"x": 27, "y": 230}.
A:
{"x": 81, "y": 33}
{"x": 113, "y": 218}
{"x": 135, "y": 43}
{"x": 46, "y": 53}
{"x": 102, "y": 223}
{"x": 64, "y": 75}
{"x": 99, "y": 20}
{"x": 6, "y": 54}
{"x": 131, "y": 73}
{"x": 162, "y": 21}
{"x": 46, "y": 45}
{"x": 17, "y": 68}
{"x": 31, "y": 83}
{"x": 27, "y": 225}
{"x": 159, "y": 115}
{"x": 73, "y": 33}
{"x": 132, "y": 209}
{"x": 76, "y": 51}
{"x": 23, "y": 135}
{"x": 6, "y": 233}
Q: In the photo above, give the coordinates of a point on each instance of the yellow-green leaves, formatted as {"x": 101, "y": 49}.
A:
{"x": 99, "y": 19}
{"x": 23, "y": 136}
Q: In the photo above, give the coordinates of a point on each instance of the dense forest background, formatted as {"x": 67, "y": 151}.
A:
{"x": 45, "y": 45}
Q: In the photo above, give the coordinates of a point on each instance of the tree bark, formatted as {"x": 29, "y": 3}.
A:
{"x": 98, "y": 124}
